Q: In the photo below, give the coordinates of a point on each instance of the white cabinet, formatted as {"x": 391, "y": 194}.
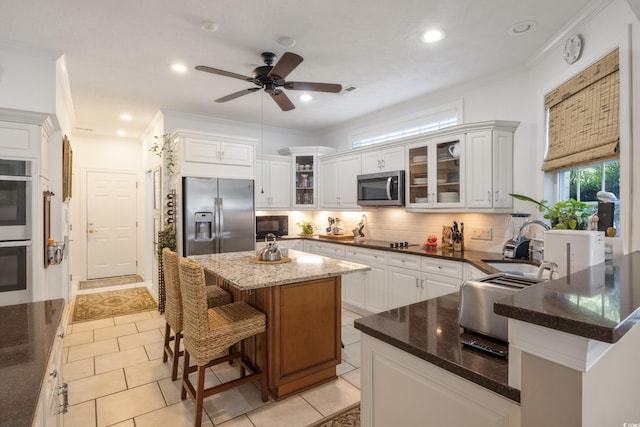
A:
{"x": 428, "y": 393}
{"x": 331, "y": 250}
{"x": 436, "y": 173}
{"x": 211, "y": 155}
{"x": 489, "y": 176}
{"x": 305, "y": 177}
{"x": 339, "y": 175}
{"x": 367, "y": 289}
{"x": 273, "y": 183}
{"x": 383, "y": 160}
{"x": 297, "y": 244}
{"x": 414, "y": 278}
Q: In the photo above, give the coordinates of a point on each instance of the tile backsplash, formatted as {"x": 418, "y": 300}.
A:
{"x": 396, "y": 224}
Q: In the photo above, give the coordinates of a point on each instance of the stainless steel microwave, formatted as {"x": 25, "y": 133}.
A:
{"x": 381, "y": 189}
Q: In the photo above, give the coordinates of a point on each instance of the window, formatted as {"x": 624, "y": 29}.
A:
{"x": 429, "y": 123}
{"x": 584, "y": 182}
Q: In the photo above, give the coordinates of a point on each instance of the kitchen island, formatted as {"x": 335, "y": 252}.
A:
{"x": 573, "y": 350}
{"x": 302, "y": 302}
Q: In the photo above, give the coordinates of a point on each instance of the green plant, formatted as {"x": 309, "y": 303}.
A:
{"x": 307, "y": 226}
{"x": 161, "y": 145}
{"x": 565, "y": 214}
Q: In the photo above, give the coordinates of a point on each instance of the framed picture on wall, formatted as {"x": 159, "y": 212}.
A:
{"x": 67, "y": 160}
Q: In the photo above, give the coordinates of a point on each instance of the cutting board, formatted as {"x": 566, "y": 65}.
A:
{"x": 338, "y": 237}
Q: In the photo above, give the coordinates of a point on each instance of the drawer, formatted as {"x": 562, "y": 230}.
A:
{"x": 366, "y": 256}
{"x": 329, "y": 249}
{"x": 442, "y": 266}
{"x": 406, "y": 261}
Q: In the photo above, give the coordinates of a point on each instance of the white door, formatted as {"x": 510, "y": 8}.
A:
{"x": 111, "y": 224}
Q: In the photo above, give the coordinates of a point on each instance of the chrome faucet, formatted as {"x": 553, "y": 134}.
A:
{"x": 531, "y": 222}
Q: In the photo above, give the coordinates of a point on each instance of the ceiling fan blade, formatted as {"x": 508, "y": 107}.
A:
{"x": 237, "y": 94}
{"x": 226, "y": 74}
{"x": 282, "y": 100}
{"x": 285, "y": 65}
{"x": 316, "y": 87}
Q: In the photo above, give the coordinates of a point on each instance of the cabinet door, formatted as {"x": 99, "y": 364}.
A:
{"x": 502, "y": 169}
{"x": 349, "y": 169}
{"x": 279, "y": 184}
{"x": 376, "y": 289}
{"x": 305, "y": 179}
{"x": 393, "y": 159}
{"x": 236, "y": 154}
{"x": 479, "y": 174}
{"x": 403, "y": 286}
{"x": 371, "y": 162}
{"x": 201, "y": 150}
{"x": 329, "y": 171}
{"x": 448, "y": 161}
{"x": 434, "y": 285}
{"x": 354, "y": 285}
{"x": 418, "y": 191}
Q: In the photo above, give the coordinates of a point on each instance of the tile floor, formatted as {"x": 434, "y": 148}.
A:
{"x": 116, "y": 377}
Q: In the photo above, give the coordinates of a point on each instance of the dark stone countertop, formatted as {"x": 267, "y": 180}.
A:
{"x": 29, "y": 331}
{"x": 429, "y": 330}
{"x": 600, "y": 303}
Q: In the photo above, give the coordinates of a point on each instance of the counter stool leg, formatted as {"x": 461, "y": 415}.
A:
{"x": 185, "y": 375}
{"x": 200, "y": 396}
{"x": 176, "y": 356}
{"x": 167, "y": 339}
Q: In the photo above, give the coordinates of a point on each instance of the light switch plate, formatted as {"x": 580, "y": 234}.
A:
{"x": 481, "y": 233}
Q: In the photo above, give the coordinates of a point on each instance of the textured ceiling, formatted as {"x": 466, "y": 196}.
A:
{"x": 118, "y": 52}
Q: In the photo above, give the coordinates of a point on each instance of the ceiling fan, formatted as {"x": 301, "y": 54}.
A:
{"x": 271, "y": 78}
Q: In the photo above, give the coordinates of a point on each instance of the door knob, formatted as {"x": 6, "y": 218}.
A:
{"x": 92, "y": 230}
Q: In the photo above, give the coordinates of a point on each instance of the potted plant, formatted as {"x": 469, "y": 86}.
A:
{"x": 307, "y": 226}
{"x": 565, "y": 214}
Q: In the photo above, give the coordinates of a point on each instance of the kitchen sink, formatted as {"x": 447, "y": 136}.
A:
{"x": 518, "y": 268}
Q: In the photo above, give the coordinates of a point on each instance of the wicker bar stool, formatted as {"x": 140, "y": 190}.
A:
{"x": 210, "y": 331}
{"x": 173, "y": 309}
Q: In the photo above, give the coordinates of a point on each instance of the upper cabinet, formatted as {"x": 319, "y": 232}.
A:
{"x": 490, "y": 174}
{"x": 339, "y": 181}
{"x": 436, "y": 173}
{"x": 383, "y": 160}
{"x": 211, "y": 155}
{"x": 304, "y": 164}
{"x": 273, "y": 182}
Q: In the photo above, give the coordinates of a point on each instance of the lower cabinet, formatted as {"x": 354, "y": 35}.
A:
{"x": 430, "y": 395}
{"x": 367, "y": 289}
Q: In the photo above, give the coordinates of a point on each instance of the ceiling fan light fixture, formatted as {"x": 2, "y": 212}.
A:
{"x": 432, "y": 36}
{"x": 305, "y": 97}
{"x": 522, "y": 28}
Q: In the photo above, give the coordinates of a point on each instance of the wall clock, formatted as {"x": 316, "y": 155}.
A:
{"x": 572, "y": 49}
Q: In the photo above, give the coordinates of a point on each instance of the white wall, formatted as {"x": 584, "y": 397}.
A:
{"x": 101, "y": 153}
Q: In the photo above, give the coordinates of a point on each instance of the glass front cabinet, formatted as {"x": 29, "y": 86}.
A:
{"x": 436, "y": 173}
{"x": 305, "y": 174}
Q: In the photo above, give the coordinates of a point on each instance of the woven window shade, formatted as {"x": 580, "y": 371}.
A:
{"x": 583, "y": 117}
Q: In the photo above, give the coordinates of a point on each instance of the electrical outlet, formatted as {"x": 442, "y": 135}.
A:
{"x": 481, "y": 233}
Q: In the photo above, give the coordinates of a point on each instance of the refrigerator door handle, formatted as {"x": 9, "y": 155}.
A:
{"x": 220, "y": 222}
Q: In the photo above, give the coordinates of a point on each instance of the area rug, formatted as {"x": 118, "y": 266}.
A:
{"x": 112, "y": 303}
{"x": 350, "y": 417}
{"x": 109, "y": 281}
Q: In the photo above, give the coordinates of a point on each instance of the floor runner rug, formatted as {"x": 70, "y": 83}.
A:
{"x": 109, "y": 281}
{"x": 350, "y": 417}
{"x": 112, "y": 303}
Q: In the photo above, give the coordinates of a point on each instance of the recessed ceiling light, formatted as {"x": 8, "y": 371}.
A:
{"x": 209, "y": 26}
{"x": 433, "y": 36}
{"x": 305, "y": 97}
{"x": 126, "y": 117}
{"x": 522, "y": 28}
{"x": 286, "y": 41}
{"x": 121, "y": 133}
{"x": 178, "y": 68}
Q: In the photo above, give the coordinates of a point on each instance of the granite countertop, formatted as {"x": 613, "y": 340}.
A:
{"x": 600, "y": 303}
{"x": 29, "y": 331}
{"x": 429, "y": 330}
{"x": 237, "y": 269}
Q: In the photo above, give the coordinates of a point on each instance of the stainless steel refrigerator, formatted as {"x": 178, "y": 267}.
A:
{"x": 218, "y": 215}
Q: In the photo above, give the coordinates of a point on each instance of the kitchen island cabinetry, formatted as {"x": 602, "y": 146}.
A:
{"x": 383, "y": 160}
{"x": 273, "y": 183}
{"x": 339, "y": 181}
{"x": 302, "y": 303}
{"x": 489, "y": 176}
{"x": 428, "y": 393}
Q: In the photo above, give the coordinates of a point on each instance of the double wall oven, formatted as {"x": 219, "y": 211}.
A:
{"x": 15, "y": 231}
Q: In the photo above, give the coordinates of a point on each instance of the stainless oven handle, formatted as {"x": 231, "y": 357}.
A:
{"x": 389, "y": 187}
{"x": 14, "y": 243}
